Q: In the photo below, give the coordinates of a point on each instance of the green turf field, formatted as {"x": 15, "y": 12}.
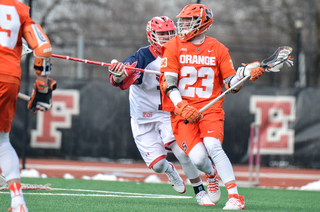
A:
{"x": 88, "y": 195}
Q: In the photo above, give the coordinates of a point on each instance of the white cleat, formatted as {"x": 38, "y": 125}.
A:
{"x": 235, "y": 202}
{"x": 213, "y": 188}
{"x": 176, "y": 181}
{"x": 20, "y": 208}
{"x": 203, "y": 199}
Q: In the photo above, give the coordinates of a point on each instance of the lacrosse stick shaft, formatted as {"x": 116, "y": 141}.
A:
{"x": 101, "y": 63}
{"x": 280, "y": 56}
{"x": 224, "y": 93}
{"x": 27, "y": 50}
{"x": 24, "y": 96}
{"x": 264, "y": 65}
{"x": 221, "y": 95}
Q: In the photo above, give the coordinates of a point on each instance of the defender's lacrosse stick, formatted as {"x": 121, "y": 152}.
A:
{"x": 26, "y": 50}
{"x": 281, "y": 55}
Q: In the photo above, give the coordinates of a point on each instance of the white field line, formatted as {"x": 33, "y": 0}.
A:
{"x": 88, "y": 168}
{"x": 108, "y": 194}
{"x": 148, "y": 171}
{"x": 113, "y": 192}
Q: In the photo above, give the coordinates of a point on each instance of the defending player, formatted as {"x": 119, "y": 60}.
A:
{"x": 194, "y": 68}
{"x": 150, "y": 125}
{"x": 16, "y": 23}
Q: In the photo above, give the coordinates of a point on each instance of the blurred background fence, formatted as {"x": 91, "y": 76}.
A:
{"x": 90, "y": 118}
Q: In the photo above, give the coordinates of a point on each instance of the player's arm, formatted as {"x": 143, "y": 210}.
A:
{"x": 118, "y": 72}
{"x": 252, "y": 69}
{"x": 230, "y": 81}
{"x": 169, "y": 88}
{"x": 122, "y": 77}
{"x": 229, "y": 73}
{"x": 42, "y": 50}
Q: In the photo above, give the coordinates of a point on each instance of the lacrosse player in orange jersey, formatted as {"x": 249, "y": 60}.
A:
{"x": 194, "y": 68}
{"x": 16, "y": 23}
{"x": 151, "y": 127}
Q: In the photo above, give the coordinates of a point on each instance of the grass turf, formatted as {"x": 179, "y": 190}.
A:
{"x": 135, "y": 196}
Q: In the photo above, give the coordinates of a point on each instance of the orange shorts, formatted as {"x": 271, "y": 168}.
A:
{"x": 8, "y": 104}
{"x": 188, "y": 135}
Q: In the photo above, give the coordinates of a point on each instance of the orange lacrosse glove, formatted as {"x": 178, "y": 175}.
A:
{"x": 190, "y": 113}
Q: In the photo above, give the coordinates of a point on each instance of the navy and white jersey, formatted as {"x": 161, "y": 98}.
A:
{"x": 144, "y": 89}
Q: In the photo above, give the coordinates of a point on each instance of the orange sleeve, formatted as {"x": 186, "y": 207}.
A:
{"x": 27, "y": 21}
{"x": 226, "y": 67}
{"x": 169, "y": 61}
{"x": 23, "y": 11}
{"x": 166, "y": 102}
{"x": 225, "y": 62}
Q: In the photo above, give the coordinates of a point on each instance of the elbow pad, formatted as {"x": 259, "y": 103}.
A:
{"x": 38, "y": 41}
{"x": 167, "y": 86}
{"x": 41, "y": 46}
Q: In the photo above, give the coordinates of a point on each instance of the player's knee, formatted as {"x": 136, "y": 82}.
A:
{"x": 213, "y": 146}
{"x": 199, "y": 156}
{"x": 198, "y": 160}
{"x": 179, "y": 153}
{"x": 214, "y": 149}
{"x": 160, "y": 166}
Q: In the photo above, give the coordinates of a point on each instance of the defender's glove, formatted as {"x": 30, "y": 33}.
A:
{"x": 190, "y": 113}
{"x": 252, "y": 69}
{"x": 41, "y": 96}
{"x": 118, "y": 69}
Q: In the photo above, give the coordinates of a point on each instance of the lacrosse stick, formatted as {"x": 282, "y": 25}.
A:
{"x": 4, "y": 185}
{"x": 24, "y": 96}
{"x": 26, "y": 50}
{"x": 281, "y": 55}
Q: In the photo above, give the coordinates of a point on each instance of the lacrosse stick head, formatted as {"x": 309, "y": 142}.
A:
{"x": 275, "y": 62}
{"x": 25, "y": 50}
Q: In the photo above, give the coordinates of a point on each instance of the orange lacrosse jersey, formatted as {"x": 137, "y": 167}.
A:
{"x": 201, "y": 70}
{"x": 14, "y": 16}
